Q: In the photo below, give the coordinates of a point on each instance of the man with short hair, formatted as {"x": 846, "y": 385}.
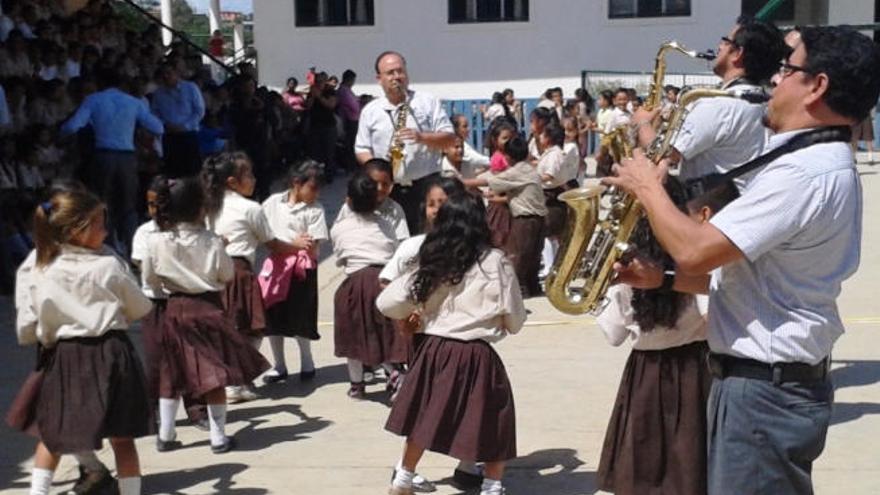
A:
{"x": 426, "y": 133}
{"x": 113, "y": 115}
{"x": 180, "y": 106}
{"x": 777, "y": 256}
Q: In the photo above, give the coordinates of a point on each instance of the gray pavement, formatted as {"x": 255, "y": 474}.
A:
{"x": 311, "y": 439}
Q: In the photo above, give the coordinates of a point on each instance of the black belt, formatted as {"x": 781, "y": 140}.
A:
{"x": 723, "y": 366}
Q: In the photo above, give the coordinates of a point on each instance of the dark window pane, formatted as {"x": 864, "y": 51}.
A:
{"x": 516, "y": 10}
{"x": 306, "y": 13}
{"x": 678, "y": 7}
{"x": 784, "y": 12}
{"x": 361, "y": 13}
{"x": 649, "y": 8}
{"x": 488, "y": 10}
{"x": 333, "y": 12}
{"x": 457, "y": 11}
{"x": 621, "y": 8}
{"x": 337, "y": 14}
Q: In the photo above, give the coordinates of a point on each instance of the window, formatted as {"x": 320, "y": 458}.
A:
{"x": 334, "y": 13}
{"x": 628, "y": 9}
{"x": 783, "y": 12}
{"x": 464, "y": 11}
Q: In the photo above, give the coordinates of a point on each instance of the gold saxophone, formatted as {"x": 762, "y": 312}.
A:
{"x": 592, "y": 245}
{"x": 398, "y": 150}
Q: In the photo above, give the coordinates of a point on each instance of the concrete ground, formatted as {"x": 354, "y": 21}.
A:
{"x": 312, "y": 439}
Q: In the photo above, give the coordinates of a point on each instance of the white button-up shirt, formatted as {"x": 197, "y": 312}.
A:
{"x": 139, "y": 252}
{"x": 81, "y": 293}
{"x": 188, "y": 259}
{"x": 799, "y": 224}
{"x": 289, "y": 221}
{"x": 376, "y": 133}
{"x": 244, "y": 226}
{"x": 719, "y": 134}
{"x": 486, "y": 304}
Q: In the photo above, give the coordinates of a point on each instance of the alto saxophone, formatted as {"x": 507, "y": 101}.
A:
{"x": 592, "y": 245}
{"x": 397, "y": 152}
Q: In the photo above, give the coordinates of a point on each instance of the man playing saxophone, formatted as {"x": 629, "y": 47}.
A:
{"x": 424, "y": 131}
{"x": 777, "y": 257}
{"x": 719, "y": 133}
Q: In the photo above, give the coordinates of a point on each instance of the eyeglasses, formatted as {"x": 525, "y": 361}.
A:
{"x": 786, "y": 69}
{"x": 725, "y": 39}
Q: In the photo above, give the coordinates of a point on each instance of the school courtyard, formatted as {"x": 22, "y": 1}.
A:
{"x": 312, "y": 439}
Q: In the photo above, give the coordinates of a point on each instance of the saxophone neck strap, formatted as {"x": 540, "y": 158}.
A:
{"x": 699, "y": 186}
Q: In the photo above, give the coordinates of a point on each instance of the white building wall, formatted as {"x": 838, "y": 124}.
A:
{"x": 459, "y": 61}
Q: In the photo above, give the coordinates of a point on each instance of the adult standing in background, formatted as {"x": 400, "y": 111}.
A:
{"x": 113, "y": 175}
{"x": 180, "y": 106}
{"x": 321, "y": 107}
{"x": 426, "y": 133}
{"x": 348, "y": 108}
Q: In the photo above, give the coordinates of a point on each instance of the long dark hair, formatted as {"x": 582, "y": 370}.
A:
{"x": 450, "y": 185}
{"x": 179, "y": 201}
{"x": 654, "y": 307}
{"x": 215, "y": 171}
{"x": 459, "y": 239}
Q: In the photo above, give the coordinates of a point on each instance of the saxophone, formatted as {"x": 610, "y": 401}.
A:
{"x": 397, "y": 152}
{"x": 591, "y": 243}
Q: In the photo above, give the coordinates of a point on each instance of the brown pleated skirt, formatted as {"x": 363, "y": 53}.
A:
{"x": 201, "y": 350}
{"x": 360, "y": 331}
{"x": 151, "y": 331}
{"x": 523, "y": 247}
{"x": 557, "y": 212}
{"x": 296, "y": 316}
{"x": 93, "y": 389}
{"x": 456, "y": 400}
{"x": 244, "y": 301}
{"x": 656, "y": 438}
{"x": 498, "y": 217}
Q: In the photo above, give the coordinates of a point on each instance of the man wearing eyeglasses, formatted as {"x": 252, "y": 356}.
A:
{"x": 777, "y": 257}
{"x": 720, "y": 133}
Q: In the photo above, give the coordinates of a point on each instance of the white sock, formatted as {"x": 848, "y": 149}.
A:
{"x": 402, "y": 477}
{"x": 547, "y": 256}
{"x": 355, "y": 371}
{"x": 130, "y": 486}
{"x": 276, "y": 342}
{"x": 306, "y": 363}
{"x": 89, "y": 461}
{"x": 491, "y": 487}
{"x": 41, "y": 481}
{"x": 217, "y": 420}
{"x": 468, "y": 467}
{"x": 167, "y": 415}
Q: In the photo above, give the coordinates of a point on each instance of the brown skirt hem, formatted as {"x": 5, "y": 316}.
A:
{"x": 244, "y": 301}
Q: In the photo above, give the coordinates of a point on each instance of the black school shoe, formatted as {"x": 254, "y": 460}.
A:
{"x": 464, "y": 480}
{"x": 167, "y": 445}
{"x": 94, "y": 483}
{"x": 226, "y": 446}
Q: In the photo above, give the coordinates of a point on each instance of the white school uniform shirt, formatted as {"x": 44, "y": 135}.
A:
{"x": 364, "y": 239}
{"x": 376, "y": 131}
{"x": 618, "y": 323}
{"x": 390, "y": 212}
{"x": 472, "y": 161}
{"x": 243, "y": 224}
{"x": 719, "y": 134}
{"x": 618, "y": 118}
{"x": 139, "y": 253}
{"x": 188, "y": 259}
{"x": 572, "y": 162}
{"x": 486, "y": 304}
{"x": 289, "y": 221}
{"x": 81, "y": 293}
{"x": 400, "y": 262}
{"x": 552, "y": 162}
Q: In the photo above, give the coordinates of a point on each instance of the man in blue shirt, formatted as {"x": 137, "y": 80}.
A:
{"x": 113, "y": 115}
{"x": 180, "y": 106}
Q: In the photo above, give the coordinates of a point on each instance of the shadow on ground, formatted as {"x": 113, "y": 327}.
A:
{"x": 854, "y": 373}
{"x": 222, "y": 475}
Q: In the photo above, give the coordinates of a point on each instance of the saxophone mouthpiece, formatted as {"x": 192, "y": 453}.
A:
{"x": 707, "y": 55}
{"x": 755, "y": 98}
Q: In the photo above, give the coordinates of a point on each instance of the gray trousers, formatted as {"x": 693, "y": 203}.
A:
{"x": 764, "y": 437}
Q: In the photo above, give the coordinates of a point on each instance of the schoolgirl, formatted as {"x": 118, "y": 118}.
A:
{"x": 498, "y": 214}
{"x": 229, "y": 181}
{"x": 202, "y": 352}
{"x": 556, "y": 177}
{"x": 650, "y": 446}
{"x": 364, "y": 239}
{"x": 297, "y": 218}
{"x": 92, "y": 384}
{"x": 465, "y": 296}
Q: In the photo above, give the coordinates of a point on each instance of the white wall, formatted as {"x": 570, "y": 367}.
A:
{"x": 561, "y": 38}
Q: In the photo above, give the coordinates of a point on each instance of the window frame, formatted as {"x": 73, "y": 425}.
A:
{"x": 525, "y": 19}
{"x": 348, "y": 14}
{"x": 636, "y": 16}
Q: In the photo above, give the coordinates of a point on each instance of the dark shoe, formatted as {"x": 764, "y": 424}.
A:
{"x": 464, "y": 480}
{"x": 226, "y": 446}
{"x": 357, "y": 391}
{"x": 307, "y": 376}
{"x": 273, "y": 376}
{"x": 92, "y": 482}
{"x": 167, "y": 445}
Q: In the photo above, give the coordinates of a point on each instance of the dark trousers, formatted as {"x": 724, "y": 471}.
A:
{"x": 764, "y": 437}
{"x": 347, "y": 158}
{"x": 410, "y": 199}
{"x": 180, "y": 151}
{"x": 322, "y": 148}
{"x": 113, "y": 177}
